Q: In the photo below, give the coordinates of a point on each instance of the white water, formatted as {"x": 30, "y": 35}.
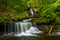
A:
{"x": 31, "y": 11}
{"x": 34, "y": 30}
{"x": 26, "y": 29}
{"x": 27, "y": 20}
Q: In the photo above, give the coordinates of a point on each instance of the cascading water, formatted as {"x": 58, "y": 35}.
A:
{"x": 31, "y": 11}
{"x": 24, "y": 28}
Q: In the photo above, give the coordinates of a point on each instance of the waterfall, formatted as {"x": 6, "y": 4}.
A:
{"x": 24, "y": 28}
{"x": 31, "y": 11}
{"x": 17, "y": 27}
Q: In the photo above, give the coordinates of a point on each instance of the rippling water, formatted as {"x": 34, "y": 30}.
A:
{"x": 39, "y": 37}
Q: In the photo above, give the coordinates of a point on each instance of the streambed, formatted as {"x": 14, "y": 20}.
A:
{"x": 40, "y": 37}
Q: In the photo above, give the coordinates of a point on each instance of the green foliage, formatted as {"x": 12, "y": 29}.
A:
{"x": 48, "y": 12}
{"x": 14, "y": 10}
